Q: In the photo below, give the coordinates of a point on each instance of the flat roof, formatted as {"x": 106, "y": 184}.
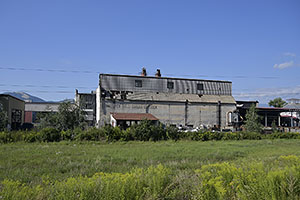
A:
{"x": 44, "y": 102}
{"x": 135, "y": 76}
{"x": 133, "y": 116}
{"x": 277, "y": 109}
{"x": 248, "y": 101}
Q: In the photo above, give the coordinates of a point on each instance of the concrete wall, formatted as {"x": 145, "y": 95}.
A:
{"x": 42, "y": 107}
{"x": 87, "y": 102}
{"x": 185, "y": 104}
{"x": 176, "y": 113}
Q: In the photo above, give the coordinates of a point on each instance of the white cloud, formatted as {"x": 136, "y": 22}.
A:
{"x": 266, "y": 94}
{"x": 284, "y": 65}
{"x": 289, "y": 54}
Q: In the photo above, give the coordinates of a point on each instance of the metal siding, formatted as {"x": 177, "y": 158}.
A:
{"x": 125, "y": 83}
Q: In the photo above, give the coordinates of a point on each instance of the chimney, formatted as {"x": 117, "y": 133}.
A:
{"x": 158, "y": 74}
{"x": 144, "y": 72}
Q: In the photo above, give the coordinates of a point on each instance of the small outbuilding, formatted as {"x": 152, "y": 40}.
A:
{"x": 125, "y": 120}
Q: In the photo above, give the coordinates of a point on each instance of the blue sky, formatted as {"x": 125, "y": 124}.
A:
{"x": 255, "y": 44}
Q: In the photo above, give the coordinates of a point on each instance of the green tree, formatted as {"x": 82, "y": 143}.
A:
{"x": 252, "y": 123}
{"x": 277, "y": 102}
{"x": 68, "y": 117}
{"x": 46, "y": 120}
{"x": 3, "y": 118}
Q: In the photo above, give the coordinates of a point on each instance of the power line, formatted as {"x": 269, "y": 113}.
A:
{"x": 97, "y": 72}
{"x": 43, "y": 91}
{"x": 47, "y": 70}
{"x": 42, "y": 86}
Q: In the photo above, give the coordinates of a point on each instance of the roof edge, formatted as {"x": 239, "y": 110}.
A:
{"x": 136, "y": 76}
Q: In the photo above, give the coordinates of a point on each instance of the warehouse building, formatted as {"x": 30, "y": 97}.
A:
{"x": 173, "y": 101}
{"x": 14, "y": 108}
{"x": 35, "y": 110}
{"x": 87, "y": 102}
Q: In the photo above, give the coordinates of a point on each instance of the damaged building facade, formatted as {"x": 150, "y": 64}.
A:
{"x": 173, "y": 101}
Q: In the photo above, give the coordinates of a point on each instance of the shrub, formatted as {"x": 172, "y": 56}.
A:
{"x": 157, "y": 133}
{"x": 50, "y": 135}
{"x": 128, "y": 134}
{"x": 111, "y": 133}
{"x": 11, "y": 136}
{"x": 31, "y": 136}
{"x": 92, "y": 134}
{"x": 146, "y": 131}
{"x": 4, "y": 137}
{"x": 143, "y": 131}
{"x": 251, "y": 135}
{"x": 172, "y": 133}
{"x": 67, "y": 135}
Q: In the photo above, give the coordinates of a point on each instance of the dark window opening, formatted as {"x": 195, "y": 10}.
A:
{"x": 200, "y": 86}
{"x": 170, "y": 85}
{"x": 138, "y": 83}
{"x": 16, "y": 116}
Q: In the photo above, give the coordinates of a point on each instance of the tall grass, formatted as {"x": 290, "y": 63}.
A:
{"x": 279, "y": 179}
{"x": 31, "y": 162}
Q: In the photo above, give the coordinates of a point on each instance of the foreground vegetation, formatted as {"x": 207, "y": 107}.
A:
{"x": 144, "y": 131}
{"x": 248, "y": 169}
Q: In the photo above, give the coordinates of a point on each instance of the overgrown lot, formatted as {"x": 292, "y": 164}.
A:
{"x": 51, "y": 166}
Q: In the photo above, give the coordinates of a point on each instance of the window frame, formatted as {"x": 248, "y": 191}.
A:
{"x": 170, "y": 85}
{"x": 138, "y": 83}
{"x": 200, "y": 86}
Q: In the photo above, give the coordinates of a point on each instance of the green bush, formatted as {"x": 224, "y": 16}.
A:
{"x": 111, "y": 133}
{"x": 31, "y": 136}
{"x": 5, "y": 137}
{"x": 279, "y": 135}
{"x": 145, "y": 131}
{"x": 11, "y": 136}
{"x": 172, "y": 133}
{"x": 50, "y": 135}
{"x": 67, "y": 135}
{"x": 92, "y": 134}
{"x": 128, "y": 134}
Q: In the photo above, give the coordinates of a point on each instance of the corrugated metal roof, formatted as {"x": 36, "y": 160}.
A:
{"x": 133, "y": 116}
{"x": 163, "y": 77}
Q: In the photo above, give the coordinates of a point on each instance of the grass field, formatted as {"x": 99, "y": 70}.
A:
{"x": 31, "y": 162}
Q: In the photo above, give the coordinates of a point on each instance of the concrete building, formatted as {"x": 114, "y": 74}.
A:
{"x": 125, "y": 120}
{"x": 14, "y": 108}
{"x": 87, "y": 102}
{"x": 174, "y": 101}
{"x": 288, "y": 116}
{"x": 294, "y": 112}
{"x": 32, "y": 109}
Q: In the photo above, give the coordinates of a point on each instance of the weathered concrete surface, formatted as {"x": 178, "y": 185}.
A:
{"x": 174, "y": 111}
